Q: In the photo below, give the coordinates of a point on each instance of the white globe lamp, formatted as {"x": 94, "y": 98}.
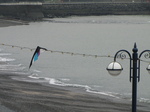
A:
{"x": 114, "y": 68}
{"x": 148, "y": 68}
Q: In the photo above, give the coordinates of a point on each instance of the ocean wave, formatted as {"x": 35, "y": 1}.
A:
{"x": 11, "y": 67}
{"x": 65, "y": 79}
{"x": 87, "y": 88}
{"x": 34, "y": 76}
{"x": 37, "y": 71}
{"x": 60, "y": 83}
{"x": 5, "y": 54}
{"x": 144, "y": 100}
{"x": 103, "y": 93}
{"x": 93, "y": 91}
{"x": 2, "y": 59}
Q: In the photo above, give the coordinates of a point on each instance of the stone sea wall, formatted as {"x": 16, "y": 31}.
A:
{"x": 52, "y": 10}
{"x": 24, "y": 12}
{"x": 36, "y": 12}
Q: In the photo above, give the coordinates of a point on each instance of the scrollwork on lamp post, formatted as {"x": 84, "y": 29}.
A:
{"x": 115, "y": 68}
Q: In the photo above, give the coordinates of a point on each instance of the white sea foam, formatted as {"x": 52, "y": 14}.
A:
{"x": 85, "y": 87}
{"x": 37, "y": 71}
{"x": 102, "y": 93}
{"x": 5, "y": 54}
{"x": 34, "y": 76}
{"x": 144, "y": 100}
{"x": 65, "y": 79}
{"x": 6, "y": 59}
{"x": 11, "y": 67}
{"x": 60, "y": 83}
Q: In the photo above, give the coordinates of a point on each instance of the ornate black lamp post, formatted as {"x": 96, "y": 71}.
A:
{"x": 114, "y": 68}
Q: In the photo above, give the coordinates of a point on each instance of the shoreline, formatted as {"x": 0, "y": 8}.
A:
{"x": 23, "y": 96}
{"x": 6, "y": 22}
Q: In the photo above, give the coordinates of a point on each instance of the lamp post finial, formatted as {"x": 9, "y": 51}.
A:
{"x": 135, "y": 48}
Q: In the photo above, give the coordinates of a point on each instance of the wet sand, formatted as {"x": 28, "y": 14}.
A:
{"x": 21, "y": 96}
{"x": 11, "y": 22}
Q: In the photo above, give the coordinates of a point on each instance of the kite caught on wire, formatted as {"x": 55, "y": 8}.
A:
{"x": 36, "y": 55}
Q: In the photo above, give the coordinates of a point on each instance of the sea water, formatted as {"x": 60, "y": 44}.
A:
{"x": 80, "y": 36}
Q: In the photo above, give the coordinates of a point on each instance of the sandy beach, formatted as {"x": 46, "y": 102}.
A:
{"x": 23, "y": 96}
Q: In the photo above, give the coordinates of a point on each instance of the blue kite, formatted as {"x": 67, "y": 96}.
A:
{"x": 36, "y": 55}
